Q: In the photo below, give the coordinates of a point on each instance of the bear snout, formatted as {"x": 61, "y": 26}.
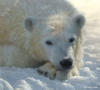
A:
{"x": 66, "y": 63}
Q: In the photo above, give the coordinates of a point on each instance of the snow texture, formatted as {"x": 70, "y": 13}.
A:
{"x": 89, "y": 79}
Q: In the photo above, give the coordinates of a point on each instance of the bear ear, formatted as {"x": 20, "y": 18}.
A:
{"x": 79, "y": 21}
{"x": 29, "y": 23}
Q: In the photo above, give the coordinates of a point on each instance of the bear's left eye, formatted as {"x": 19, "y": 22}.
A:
{"x": 49, "y": 43}
{"x": 71, "y": 40}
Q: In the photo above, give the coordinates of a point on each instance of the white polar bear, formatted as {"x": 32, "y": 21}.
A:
{"x": 46, "y": 34}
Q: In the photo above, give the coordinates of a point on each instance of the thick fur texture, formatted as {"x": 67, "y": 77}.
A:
{"x": 25, "y": 26}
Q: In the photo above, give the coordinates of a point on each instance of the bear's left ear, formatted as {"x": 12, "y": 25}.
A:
{"x": 79, "y": 21}
{"x": 29, "y": 23}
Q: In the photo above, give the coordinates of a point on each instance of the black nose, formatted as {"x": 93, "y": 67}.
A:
{"x": 66, "y": 63}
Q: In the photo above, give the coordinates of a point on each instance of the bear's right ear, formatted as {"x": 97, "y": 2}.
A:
{"x": 29, "y": 23}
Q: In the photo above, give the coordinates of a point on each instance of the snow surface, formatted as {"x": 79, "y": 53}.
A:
{"x": 89, "y": 79}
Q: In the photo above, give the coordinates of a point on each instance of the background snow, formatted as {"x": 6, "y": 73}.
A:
{"x": 89, "y": 79}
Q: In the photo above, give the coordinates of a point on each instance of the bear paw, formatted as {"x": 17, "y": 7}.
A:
{"x": 47, "y": 70}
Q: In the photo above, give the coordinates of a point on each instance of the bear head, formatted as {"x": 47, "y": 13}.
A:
{"x": 53, "y": 38}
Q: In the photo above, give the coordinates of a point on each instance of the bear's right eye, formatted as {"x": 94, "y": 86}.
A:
{"x": 49, "y": 43}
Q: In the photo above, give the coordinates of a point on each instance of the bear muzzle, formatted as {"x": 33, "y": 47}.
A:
{"x": 66, "y": 63}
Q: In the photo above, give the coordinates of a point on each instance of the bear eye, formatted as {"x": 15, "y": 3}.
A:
{"x": 71, "y": 40}
{"x": 49, "y": 42}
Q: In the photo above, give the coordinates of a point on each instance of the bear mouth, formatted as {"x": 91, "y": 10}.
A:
{"x": 63, "y": 69}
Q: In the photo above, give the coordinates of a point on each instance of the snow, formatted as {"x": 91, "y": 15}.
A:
{"x": 89, "y": 79}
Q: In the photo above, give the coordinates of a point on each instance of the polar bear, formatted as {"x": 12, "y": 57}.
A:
{"x": 42, "y": 34}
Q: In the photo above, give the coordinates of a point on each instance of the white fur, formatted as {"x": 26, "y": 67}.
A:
{"x": 54, "y": 20}
{"x": 13, "y": 56}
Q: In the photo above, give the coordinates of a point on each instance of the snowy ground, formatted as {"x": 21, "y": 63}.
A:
{"x": 89, "y": 79}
